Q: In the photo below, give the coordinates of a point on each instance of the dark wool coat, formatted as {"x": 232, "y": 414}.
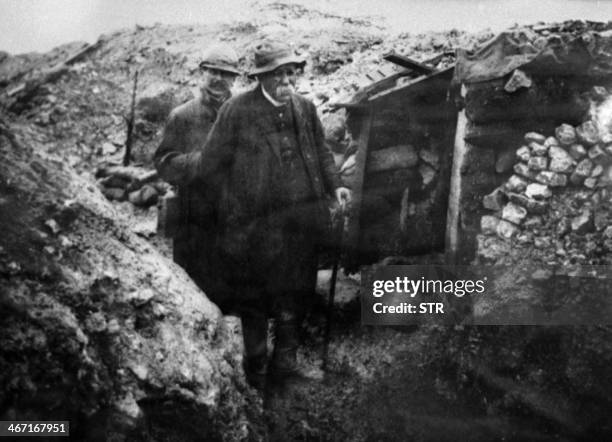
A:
{"x": 242, "y": 150}
{"x": 186, "y": 130}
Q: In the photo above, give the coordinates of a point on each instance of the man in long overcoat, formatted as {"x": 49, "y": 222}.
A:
{"x": 186, "y": 130}
{"x": 268, "y": 145}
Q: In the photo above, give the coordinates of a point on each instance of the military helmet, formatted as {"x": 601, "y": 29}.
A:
{"x": 221, "y": 57}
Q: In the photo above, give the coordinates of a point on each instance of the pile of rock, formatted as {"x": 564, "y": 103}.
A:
{"x": 139, "y": 186}
{"x": 560, "y": 185}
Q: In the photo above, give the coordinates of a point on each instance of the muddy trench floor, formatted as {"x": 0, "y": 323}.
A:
{"x": 379, "y": 386}
{"x": 384, "y": 384}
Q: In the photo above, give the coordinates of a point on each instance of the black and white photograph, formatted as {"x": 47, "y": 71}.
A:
{"x": 317, "y": 221}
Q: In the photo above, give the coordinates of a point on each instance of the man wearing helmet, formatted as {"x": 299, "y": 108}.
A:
{"x": 186, "y": 130}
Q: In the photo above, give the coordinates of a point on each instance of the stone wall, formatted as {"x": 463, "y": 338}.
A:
{"x": 558, "y": 198}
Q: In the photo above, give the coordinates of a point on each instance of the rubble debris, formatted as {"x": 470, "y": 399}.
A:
{"x": 533, "y": 206}
{"x": 588, "y": 133}
{"x": 531, "y": 190}
{"x": 560, "y": 160}
{"x": 114, "y": 193}
{"x": 506, "y": 230}
{"x": 566, "y": 134}
{"x": 22, "y": 94}
{"x": 577, "y": 151}
{"x": 538, "y": 191}
{"x": 138, "y": 185}
{"x": 108, "y": 148}
{"x": 596, "y": 171}
{"x": 523, "y": 170}
{"x": 583, "y": 223}
{"x": 537, "y": 163}
{"x": 518, "y": 80}
{"x": 538, "y": 149}
{"x": 582, "y": 171}
{"x": 523, "y": 153}
{"x": 146, "y": 196}
{"x": 515, "y": 184}
{"x": 8, "y": 133}
{"x": 590, "y": 183}
{"x": 427, "y": 173}
{"x": 488, "y": 224}
{"x": 53, "y": 226}
{"x": 552, "y": 179}
{"x": 551, "y": 141}
{"x": 600, "y": 220}
{"x": 542, "y": 275}
{"x": 597, "y": 154}
{"x": 535, "y": 137}
{"x": 495, "y": 200}
{"x": 599, "y": 93}
{"x": 514, "y": 213}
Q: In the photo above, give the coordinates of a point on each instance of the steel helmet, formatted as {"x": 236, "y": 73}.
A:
{"x": 221, "y": 57}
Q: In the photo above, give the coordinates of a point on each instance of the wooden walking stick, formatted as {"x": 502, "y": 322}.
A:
{"x": 338, "y": 233}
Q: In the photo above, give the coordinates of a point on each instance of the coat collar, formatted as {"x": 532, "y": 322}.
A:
{"x": 269, "y": 97}
{"x": 299, "y": 121}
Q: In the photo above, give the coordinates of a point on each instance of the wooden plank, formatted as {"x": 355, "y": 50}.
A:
{"x": 87, "y": 49}
{"x": 419, "y": 85}
{"x": 452, "y": 214}
{"x": 409, "y": 63}
{"x": 353, "y": 229}
{"x": 371, "y": 89}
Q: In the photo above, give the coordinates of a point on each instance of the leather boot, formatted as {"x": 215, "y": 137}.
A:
{"x": 284, "y": 360}
{"x": 255, "y": 334}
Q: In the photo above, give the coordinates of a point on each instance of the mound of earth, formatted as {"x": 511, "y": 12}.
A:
{"x": 97, "y": 327}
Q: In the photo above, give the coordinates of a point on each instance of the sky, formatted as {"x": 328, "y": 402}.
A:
{"x": 40, "y": 25}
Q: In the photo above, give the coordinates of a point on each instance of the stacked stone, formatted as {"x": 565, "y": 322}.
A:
{"x": 575, "y": 156}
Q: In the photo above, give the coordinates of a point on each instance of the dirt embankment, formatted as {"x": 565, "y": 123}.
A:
{"x": 97, "y": 326}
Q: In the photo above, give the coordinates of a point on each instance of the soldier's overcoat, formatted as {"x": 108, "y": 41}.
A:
{"x": 186, "y": 130}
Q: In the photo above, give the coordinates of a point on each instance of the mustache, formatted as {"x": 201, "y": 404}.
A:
{"x": 219, "y": 85}
{"x": 285, "y": 90}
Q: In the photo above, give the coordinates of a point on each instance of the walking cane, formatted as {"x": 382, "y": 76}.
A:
{"x": 338, "y": 231}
